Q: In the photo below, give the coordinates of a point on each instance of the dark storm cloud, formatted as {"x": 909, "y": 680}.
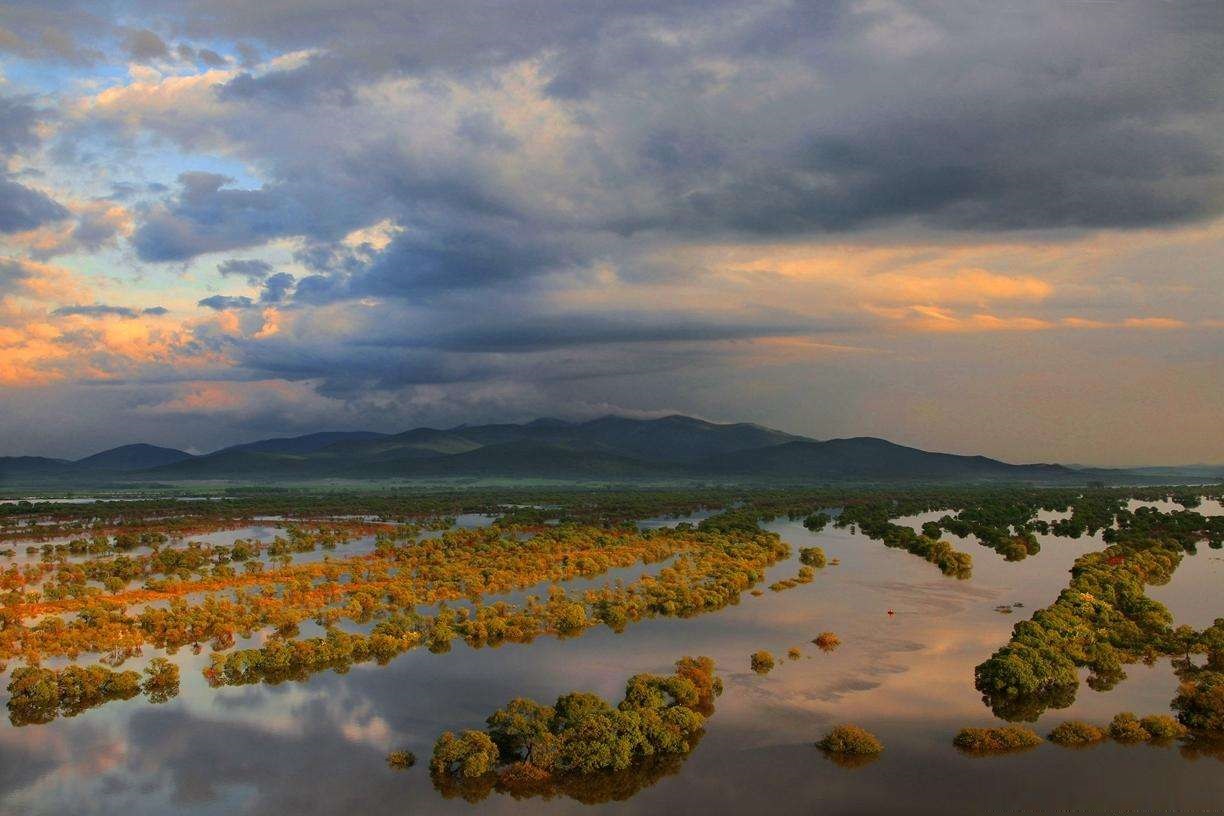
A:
{"x": 23, "y": 208}
{"x": 221, "y": 302}
{"x": 370, "y": 38}
{"x": 823, "y": 121}
{"x": 253, "y": 270}
{"x": 458, "y": 259}
{"x": 319, "y": 79}
{"x": 276, "y": 288}
{"x": 205, "y": 218}
{"x": 509, "y": 159}
{"x": 547, "y": 332}
{"x": 206, "y": 215}
{"x": 470, "y": 339}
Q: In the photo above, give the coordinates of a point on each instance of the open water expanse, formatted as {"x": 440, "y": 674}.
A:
{"x": 319, "y": 746}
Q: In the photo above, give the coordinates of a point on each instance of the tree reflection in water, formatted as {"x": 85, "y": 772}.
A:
{"x": 589, "y": 789}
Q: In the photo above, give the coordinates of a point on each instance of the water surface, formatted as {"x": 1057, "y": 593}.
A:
{"x": 318, "y": 747}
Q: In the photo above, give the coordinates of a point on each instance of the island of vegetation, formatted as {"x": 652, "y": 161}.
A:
{"x": 762, "y": 662}
{"x": 1077, "y": 734}
{"x": 827, "y": 641}
{"x": 1003, "y": 740}
{"x": 401, "y": 760}
{"x": 851, "y": 739}
{"x": 530, "y": 749}
{"x": 1104, "y": 620}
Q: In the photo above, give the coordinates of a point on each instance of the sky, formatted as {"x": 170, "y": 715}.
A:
{"x": 977, "y": 227}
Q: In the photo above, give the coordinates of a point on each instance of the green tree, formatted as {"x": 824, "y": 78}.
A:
{"x": 522, "y": 728}
{"x": 469, "y": 755}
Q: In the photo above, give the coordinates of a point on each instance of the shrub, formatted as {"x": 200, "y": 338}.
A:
{"x": 1076, "y": 733}
{"x": 1125, "y": 727}
{"x": 996, "y": 740}
{"x": 827, "y": 641}
{"x": 1163, "y": 727}
{"x": 401, "y": 760}
{"x": 851, "y": 739}
{"x": 812, "y": 557}
{"x": 762, "y": 662}
{"x": 793, "y": 653}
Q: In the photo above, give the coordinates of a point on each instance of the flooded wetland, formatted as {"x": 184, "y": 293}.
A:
{"x": 320, "y": 653}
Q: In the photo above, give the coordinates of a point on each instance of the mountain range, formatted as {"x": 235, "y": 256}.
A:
{"x": 609, "y": 449}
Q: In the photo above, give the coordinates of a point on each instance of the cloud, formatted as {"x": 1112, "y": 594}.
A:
{"x": 18, "y": 121}
{"x": 672, "y": 199}
{"x": 142, "y": 45}
{"x": 211, "y": 58}
{"x": 935, "y": 319}
{"x": 627, "y": 122}
{"x": 96, "y": 310}
{"x": 221, "y": 302}
{"x": 24, "y": 208}
{"x": 52, "y": 32}
{"x": 1154, "y": 323}
{"x": 208, "y": 217}
{"x": 489, "y": 257}
{"x": 42, "y": 344}
{"x": 254, "y": 271}
{"x": 277, "y": 288}
{"x": 87, "y": 227}
{"x": 559, "y": 331}
{"x": 105, "y": 310}
{"x": 38, "y": 281}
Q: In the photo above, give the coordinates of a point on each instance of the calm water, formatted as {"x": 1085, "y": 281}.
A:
{"x": 319, "y": 746}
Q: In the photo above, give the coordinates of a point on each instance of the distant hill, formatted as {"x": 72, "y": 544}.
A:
{"x": 525, "y": 459}
{"x": 16, "y": 469}
{"x": 308, "y": 443}
{"x": 609, "y": 449}
{"x": 678, "y": 438}
{"x": 670, "y": 439}
{"x": 133, "y": 457}
{"x": 866, "y": 458}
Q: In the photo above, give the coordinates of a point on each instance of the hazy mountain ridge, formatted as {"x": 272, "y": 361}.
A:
{"x": 606, "y": 449}
{"x": 139, "y": 456}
